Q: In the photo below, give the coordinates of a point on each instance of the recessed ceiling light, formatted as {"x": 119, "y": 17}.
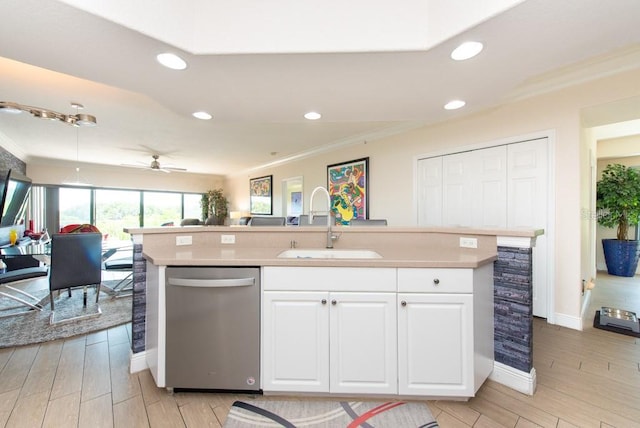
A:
{"x": 171, "y": 61}
{"x": 466, "y": 50}
{"x": 454, "y": 105}
{"x": 312, "y": 115}
{"x": 202, "y": 115}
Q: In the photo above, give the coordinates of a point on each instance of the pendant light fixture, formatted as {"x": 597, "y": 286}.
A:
{"x": 42, "y": 113}
{"x": 77, "y": 180}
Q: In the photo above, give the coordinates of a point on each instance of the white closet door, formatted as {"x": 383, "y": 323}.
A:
{"x": 498, "y": 187}
{"x": 457, "y": 172}
{"x": 527, "y": 207}
{"x": 489, "y": 184}
{"x": 430, "y": 191}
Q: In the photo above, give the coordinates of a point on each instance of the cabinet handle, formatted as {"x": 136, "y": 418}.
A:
{"x": 403, "y": 303}
{"x": 324, "y": 301}
{"x": 436, "y": 281}
{"x": 333, "y": 302}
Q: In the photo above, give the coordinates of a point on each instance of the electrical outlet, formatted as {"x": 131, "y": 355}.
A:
{"x": 184, "y": 240}
{"x": 227, "y": 239}
{"x": 468, "y": 242}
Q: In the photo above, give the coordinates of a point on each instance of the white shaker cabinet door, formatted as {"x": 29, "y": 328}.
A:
{"x": 295, "y": 341}
{"x": 435, "y": 344}
{"x": 363, "y": 357}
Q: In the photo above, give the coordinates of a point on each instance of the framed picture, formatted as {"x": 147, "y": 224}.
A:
{"x": 261, "y": 195}
{"x": 348, "y": 185}
{"x": 296, "y": 203}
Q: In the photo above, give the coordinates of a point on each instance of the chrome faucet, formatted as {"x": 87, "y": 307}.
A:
{"x": 330, "y": 236}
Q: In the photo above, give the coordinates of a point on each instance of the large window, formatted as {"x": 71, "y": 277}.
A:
{"x": 162, "y": 208}
{"x": 192, "y": 208}
{"x": 115, "y": 210}
{"x": 74, "y": 205}
{"x": 110, "y": 210}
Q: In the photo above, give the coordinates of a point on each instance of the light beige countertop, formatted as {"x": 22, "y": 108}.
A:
{"x": 260, "y": 246}
{"x": 391, "y": 257}
{"x": 349, "y": 229}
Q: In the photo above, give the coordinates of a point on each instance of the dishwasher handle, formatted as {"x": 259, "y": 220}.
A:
{"x": 212, "y": 283}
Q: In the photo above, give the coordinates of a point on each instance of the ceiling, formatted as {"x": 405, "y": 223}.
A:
{"x": 371, "y": 71}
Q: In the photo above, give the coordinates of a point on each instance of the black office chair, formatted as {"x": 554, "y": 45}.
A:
{"x": 76, "y": 261}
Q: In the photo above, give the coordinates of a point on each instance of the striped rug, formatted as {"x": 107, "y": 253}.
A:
{"x": 329, "y": 414}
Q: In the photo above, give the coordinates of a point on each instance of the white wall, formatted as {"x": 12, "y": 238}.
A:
{"x": 392, "y": 163}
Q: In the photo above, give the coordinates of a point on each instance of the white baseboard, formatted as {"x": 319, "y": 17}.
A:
{"x": 513, "y": 378}
{"x": 568, "y": 321}
{"x": 137, "y": 362}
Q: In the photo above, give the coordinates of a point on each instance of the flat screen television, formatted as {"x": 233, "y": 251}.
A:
{"x": 15, "y": 193}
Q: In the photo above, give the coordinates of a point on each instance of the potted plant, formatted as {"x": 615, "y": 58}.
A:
{"x": 618, "y": 204}
{"x": 214, "y": 207}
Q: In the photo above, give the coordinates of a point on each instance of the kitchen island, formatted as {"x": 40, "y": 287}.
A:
{"x": 422, "y": 278}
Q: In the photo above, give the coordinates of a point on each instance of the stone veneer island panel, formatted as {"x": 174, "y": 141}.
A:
{"x": 513, "y": 308}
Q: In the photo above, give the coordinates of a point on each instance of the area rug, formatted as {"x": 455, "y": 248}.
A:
{"x": 34, "y": 327}
{"x": 329, "y": 414}
{"x": 626, "y": 332}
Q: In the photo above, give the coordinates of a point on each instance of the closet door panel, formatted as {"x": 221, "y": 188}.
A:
{"x": 457, "y": 190}
{"x": 430, "y": 191}
{"x": 489, "y": 181}
{"x": 527, "y": 198}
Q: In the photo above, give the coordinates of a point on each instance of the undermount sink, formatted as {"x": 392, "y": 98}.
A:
{"x": 328, "y": 253}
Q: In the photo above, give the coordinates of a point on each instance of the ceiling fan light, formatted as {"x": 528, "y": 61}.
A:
{"x": 466, "y": 50}
{"x": 171, "y": 61}
{"x": 203, "y": 115}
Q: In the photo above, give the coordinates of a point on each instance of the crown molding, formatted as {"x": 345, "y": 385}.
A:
{"x": 622, "y": 60}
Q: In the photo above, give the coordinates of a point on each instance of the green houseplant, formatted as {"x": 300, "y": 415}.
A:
{"x": 618, "y": 204}
{"x": 215, "y": 207}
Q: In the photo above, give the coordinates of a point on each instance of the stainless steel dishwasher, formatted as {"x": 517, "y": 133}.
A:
{"x": 213, "y": 328}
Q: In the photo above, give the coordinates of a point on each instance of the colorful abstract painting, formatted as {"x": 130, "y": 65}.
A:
{"x": 260, "y": 195}
{"x": 348, "y": 186}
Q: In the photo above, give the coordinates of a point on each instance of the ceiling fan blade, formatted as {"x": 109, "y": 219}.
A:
{"x": 154, "y": 165}
{"x": 129, "y": 165}
{"x": 155, "y": 151}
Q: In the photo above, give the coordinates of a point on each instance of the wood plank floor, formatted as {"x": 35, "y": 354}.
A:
{"x": 585, "y": 379}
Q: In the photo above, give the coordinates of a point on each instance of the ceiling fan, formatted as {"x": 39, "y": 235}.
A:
{"x": 155, "y": 165}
